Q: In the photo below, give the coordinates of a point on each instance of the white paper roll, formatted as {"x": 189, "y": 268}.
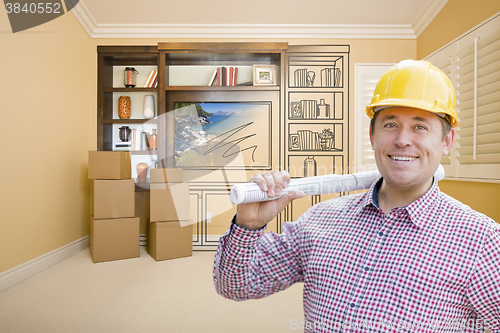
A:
{"x": 251, "y": 192}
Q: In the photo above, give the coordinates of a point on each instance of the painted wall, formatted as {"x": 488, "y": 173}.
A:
{"x": 45, "y": 136}
{"x": 456, "y": 18}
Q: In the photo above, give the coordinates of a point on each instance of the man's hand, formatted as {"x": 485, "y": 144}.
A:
{"x": 255, "y": 215}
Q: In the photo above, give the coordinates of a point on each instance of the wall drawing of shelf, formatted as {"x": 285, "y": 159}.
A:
{"x": 316, "y": 106}
{"x": 316, "y": 71}
{"x": 315, "y": 137}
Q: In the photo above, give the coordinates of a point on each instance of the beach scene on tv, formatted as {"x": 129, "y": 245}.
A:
{"x": 211, "y": 135}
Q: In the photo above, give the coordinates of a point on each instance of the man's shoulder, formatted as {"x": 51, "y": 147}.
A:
{"x": 458, "y": 210}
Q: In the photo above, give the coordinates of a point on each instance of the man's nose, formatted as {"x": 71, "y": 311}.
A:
{"x": 403, "y": 138}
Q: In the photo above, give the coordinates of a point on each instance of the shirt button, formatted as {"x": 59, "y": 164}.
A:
{"x": 381, "y": 234}
{"x": 352, "y": 305}
{"x": 367, "y": 268}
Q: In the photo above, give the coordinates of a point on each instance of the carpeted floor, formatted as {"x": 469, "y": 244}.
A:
{"x": 140, "y": 295}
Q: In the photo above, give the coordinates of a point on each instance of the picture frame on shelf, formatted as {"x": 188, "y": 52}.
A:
{"x": 264, "y": 75}
{"x": 294, "y": 142}
{"x": 296, "y": 111}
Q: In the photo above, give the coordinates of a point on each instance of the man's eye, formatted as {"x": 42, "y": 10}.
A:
{"x": 420, "y": 127}
{"x": 389, "y": 125}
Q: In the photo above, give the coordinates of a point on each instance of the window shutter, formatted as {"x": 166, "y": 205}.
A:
{"x": 367, "y": 76}
{"x": 478, "y": 102}
{"x": 442, "y": 60}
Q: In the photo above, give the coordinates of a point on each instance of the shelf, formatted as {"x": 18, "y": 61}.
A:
{"x": 129, "y": 121}
{"x": 141, "y": 152}
{"x": 130, "y": 89}
{"x": 316, "y": 89}
{"x": 144, "y": 152}
{"x": 222, "y": 88}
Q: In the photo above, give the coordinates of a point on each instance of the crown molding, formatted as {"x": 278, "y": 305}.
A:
{"x": 252, "y": 31}
{"x": 427, "y": 15}
{"x": 84, "y": 16}
{"x": 287, "y": 31}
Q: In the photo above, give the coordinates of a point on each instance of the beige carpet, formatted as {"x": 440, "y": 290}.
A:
{"x": 139, "y": 295}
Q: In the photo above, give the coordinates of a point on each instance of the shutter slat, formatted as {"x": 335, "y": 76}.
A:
{"x": 482, "y": 159}
{"x": 491, "y": 77}
{"x": 445, "y": 160}
{"x": 481, "y": 130}
{"x": 463, "y": 79}
{"x": 488, "y": 69}
{"x": 481, "y": 140}
{"x": 480, "y": 149}
{"x": 481, "y": 120}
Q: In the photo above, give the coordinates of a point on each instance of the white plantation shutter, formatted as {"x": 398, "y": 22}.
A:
{"x": 473, "y": 63}
{"x": 366, "y": 78}
{"x": 478, "y": 102}
{"x": 443, "y": 61}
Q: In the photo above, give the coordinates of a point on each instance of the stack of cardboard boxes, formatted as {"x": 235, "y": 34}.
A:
{"x": 114, "y": 229}
{"x": 170, "y": 234}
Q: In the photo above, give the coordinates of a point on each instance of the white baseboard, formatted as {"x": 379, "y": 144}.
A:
{"x": 28, "y": 269}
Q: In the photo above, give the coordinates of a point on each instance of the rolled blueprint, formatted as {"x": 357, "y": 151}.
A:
{"x": 251, "y": 192}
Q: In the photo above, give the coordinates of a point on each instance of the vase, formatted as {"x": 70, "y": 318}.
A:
{"x": 149, "y": 107}
{"x": 142, "y": 172}
{"x": 152, "y": 140}
{"x": 125, "y": 133}
{"x": 310, "y": 167}
{"x": 124, "y": 107}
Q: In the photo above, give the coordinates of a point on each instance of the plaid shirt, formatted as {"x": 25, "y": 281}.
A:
{"x": 431, "y": 266}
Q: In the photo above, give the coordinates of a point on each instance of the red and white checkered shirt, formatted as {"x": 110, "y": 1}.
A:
{"x": 431, "y": 266}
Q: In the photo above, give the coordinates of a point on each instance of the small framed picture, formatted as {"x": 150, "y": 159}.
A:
{"x": 294, "y": 143}
{"x": 264, "y": 74}
{"x": 296, "y": 110}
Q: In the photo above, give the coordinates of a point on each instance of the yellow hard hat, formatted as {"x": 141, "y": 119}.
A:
{"x": 416, "y": 84}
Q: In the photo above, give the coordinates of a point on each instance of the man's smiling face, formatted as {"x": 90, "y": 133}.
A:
{"x": 408, "y": 145}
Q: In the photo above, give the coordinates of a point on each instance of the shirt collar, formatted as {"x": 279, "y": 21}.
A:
{"x": 417, "y": 210}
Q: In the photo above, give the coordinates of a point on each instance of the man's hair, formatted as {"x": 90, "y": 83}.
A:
{"x": 444, "y": 121}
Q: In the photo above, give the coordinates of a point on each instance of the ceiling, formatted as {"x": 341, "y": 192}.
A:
{"x": 257, "y": 18}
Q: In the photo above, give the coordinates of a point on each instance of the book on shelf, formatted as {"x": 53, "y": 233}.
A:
{"x": 213, "y": 78}
{"x": 224, "y": 77}
{"x": 155, "y": 81}
{"x": 150, "y": 79}
{"x": 231, "y": 76}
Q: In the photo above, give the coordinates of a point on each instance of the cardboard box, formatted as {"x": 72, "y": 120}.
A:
{"x": 109, "y": 165}
{"x": 169, "y": 240}
{"x": 114, "y": 239}
{"x": 169, "y": 202}
{"x": 114, "y": 199}
{"x": 171, "y": 175}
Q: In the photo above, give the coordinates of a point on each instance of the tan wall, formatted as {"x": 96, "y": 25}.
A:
{"x": 45, "y": 118}
{"x": 456, "y": 18}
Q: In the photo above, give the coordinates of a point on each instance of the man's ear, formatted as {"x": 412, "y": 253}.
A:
{"x": 371, "y": 136}
{"x": 448, "y": 141}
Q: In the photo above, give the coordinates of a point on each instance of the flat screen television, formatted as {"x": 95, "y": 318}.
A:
{"x": 214, "y": 135}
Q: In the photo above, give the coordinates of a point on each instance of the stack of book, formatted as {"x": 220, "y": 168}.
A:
{"x": 152, "y": 80}
{"x": 330, "y": 77}
{"x": 224, "y": 76}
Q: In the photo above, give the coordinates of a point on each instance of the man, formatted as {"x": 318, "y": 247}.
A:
{"x": 402, "y": 256}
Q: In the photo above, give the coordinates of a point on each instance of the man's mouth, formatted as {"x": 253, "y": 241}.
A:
{"x": 402, "y": 158}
